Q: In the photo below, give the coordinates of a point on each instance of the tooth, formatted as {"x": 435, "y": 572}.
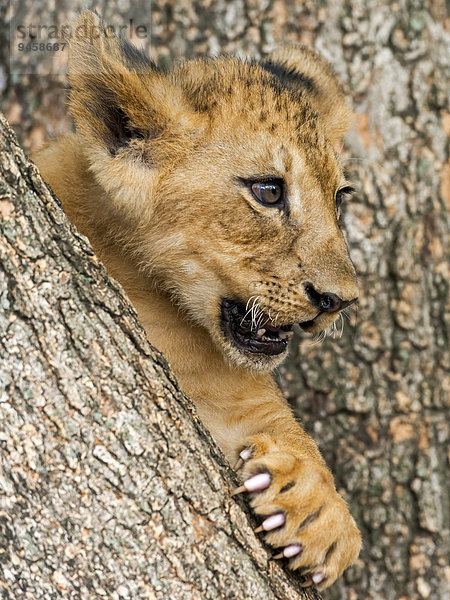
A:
{"x": 260, "y": 332}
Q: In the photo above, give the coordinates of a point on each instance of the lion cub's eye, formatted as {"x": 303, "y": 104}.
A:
{"x": 340, "y": 195}
{"x": 268, "y": 193}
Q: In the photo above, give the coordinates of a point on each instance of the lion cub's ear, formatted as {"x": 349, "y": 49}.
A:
{"x": 303, "y": 68}
{"x": 118, "y": 96}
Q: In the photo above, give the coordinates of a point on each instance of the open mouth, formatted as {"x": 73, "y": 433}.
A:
{"x": 260, "y": 337}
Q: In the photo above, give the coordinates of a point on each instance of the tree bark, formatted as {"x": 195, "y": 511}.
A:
{"x": 109, "y": 485}
{"x": 377, "y": 399}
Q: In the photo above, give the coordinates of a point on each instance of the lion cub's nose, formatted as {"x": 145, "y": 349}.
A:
{"x": 327, "y": 301}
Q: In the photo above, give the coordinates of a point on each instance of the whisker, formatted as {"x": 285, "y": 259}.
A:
{"x": 342, "y": 322}
{"x": 345, "y": 314}
{"x": 339, "y": 152}
{"x": 338, "y": 327}
{"x": 253, "y": 316}
{"x": 344, "y": 159}
{"x": 246, "y": 307}
{"x": 265, "y": 323}
{"x": 249, "y": 300}
{"x": 300, "y": 127}
{"x": 319, "y": 338}
{"x": 269, "y": 318}
{"x": 255, "y": 311}
{"x": 260, "y": 318}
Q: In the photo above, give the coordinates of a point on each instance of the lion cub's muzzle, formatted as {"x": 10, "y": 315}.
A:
{"x": 250, "y": 334}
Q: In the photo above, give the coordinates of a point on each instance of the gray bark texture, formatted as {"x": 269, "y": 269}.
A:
{"x": 109, "y": 485}
{"x": 377, "y": 399}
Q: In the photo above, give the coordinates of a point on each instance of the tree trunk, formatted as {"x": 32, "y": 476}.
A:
{"x": 110, "y": 486}
{"x": 377, "y": 399}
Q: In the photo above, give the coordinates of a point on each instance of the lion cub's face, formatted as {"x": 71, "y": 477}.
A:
{"x": 223, "y": 176}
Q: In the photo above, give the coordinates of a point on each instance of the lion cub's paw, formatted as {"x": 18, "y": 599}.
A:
{"x": 303, "y": 514}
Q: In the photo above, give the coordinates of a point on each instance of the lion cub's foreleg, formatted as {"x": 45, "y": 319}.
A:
{"x": 289, "y": 486}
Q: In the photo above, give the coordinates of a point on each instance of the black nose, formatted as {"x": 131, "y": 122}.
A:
{"x": 326, "y": 302}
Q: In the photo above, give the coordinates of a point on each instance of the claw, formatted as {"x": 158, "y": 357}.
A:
{"x": 307, "y": 582}
{"x": 255, "y": 483}
{"x": 239, "y": 490}
{"x": 244, "y": 455}
{"x": 258, "y": 482}
{"x": 289, "y": 551}
{"x": 271, "y": 522}
{"x": 317, "y": 577}
{"x": 240, "y": 463}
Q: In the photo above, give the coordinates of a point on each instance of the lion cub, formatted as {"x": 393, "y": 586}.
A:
{"x": 212, "y": 194}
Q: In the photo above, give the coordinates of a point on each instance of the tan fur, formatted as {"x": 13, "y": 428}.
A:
{"x": 150, "y": 178}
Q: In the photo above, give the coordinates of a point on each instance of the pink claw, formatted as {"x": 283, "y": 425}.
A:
{"x": 257, "y": 482}
{"x": 246, "y": 454}
{"x": 272, "y": 522}
{"x": 317, "y": 577}
{"x": 292, "y": 550}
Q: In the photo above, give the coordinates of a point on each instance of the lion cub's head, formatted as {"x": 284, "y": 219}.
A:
{"x": 222, "y": 184}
